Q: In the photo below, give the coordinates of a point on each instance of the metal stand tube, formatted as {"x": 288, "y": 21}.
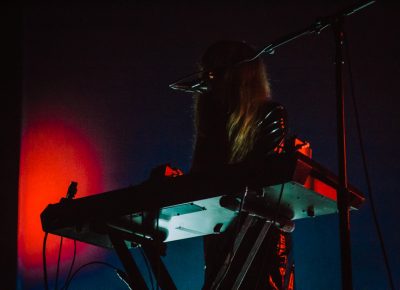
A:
{"x": 342, "y": 193}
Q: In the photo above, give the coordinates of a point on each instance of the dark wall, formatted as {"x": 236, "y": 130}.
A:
{"x": 11, "y": 97}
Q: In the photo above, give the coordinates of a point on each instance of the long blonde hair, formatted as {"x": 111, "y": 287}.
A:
{"x": 241, "y": 89}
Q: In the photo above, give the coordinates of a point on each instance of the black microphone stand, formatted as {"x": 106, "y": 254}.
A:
{"x": 342, "y": 193}
{"x": 336, "y": 21}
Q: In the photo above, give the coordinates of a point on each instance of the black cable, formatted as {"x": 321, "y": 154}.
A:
{"x": 67, "y": 284}
{"x": 46, "y": 284}
{"x": 364, "y": 160}
{"x": 148, "y": 267}
{"x": 58, "y": 263}
{"x": 71, "y": 266}
{"x": 144, "y": 254}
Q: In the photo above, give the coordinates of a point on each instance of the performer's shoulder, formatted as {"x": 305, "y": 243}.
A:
{"x": 272, "y": 110}
{"x": 273, "y": 105}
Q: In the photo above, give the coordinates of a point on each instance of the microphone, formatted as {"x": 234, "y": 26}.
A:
{"x": 195, "y": 86}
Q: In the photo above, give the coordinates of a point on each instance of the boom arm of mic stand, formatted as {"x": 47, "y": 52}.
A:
{"x": 316, "y": 27}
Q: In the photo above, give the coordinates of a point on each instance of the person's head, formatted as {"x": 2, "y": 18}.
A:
{"x": 239, "y": 88}
{"x": 226, "y": 73}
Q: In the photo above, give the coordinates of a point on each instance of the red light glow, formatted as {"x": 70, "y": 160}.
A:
{"x": 53, "y": 154}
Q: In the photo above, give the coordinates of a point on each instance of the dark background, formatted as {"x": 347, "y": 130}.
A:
{"x": 111, "y": 64}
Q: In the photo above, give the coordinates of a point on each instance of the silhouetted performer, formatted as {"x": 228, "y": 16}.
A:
{"x": 237, "y": 123}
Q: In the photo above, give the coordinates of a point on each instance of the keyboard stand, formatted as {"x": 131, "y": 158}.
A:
{"x": 152, "y": 252}
{"x": 225, "y": 277}
{"x": 135, "y": 279}
{"x": 252, "y": 254}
